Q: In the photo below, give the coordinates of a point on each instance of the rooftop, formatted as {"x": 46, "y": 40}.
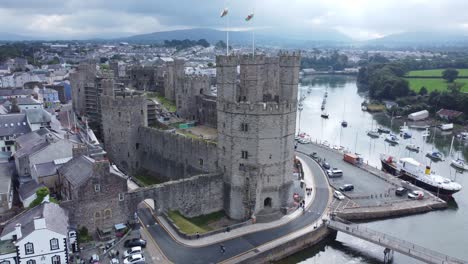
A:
{"x": 27, "y": 101}
{"x": 36, "y": 116}
{"x": 13, "y": 92}
{"x": 7, "y": 246}
{"x": 56, "y": 219}
{"x": 28, "y": 189}
{"x": 14, "y": 124}
{"x": 78, "y": 170}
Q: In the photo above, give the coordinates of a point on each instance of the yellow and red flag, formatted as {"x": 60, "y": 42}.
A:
{"x": 249, "y": 17}
{"x": 225, "y": 12}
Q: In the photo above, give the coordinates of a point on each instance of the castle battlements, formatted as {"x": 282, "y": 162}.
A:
{"x": 258, "y": 108}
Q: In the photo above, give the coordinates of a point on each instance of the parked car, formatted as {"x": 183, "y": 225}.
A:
{"x": 338, "y": 195}
{"x": 326, "y": 165}
{"x": 133, "y": 259}
{"x": 131, "y": 251}
{"x": 400, "y": 191}
{"x": 114, "y": 261}
{"x": 334, "y": 173}
{"x": 416, "y": 195}
{"x": 347, "y": 187}
{"x": 135, "y": 242}
{"x": 313, "y": 155}
{"x": 303, "y": 141}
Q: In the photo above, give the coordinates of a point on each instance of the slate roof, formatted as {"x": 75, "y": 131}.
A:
{"x": 36, "y": 116}
{"x": 449, "y": 113}
{"x": 78, "y": 170}
{"x": 27, "y": 101}
{"x": 56, "y": 219}
{"x": 30, "y": 149}
{"x": 33, "y": 138}
{"x": 14, "y": 124}
{"x": 13, "y": 92}
{"x": 45, "y": 169}
{"x": 28, "y": 189}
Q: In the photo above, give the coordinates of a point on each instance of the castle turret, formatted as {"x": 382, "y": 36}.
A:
{"x": 256, "y": 127}
{"x": 122, "y": 114}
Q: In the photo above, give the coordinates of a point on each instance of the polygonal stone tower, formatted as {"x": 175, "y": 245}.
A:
{"x": 256, "y": 127}
{"x": 123, "y": 112}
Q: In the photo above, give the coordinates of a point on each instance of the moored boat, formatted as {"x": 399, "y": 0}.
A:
{"x": 383, "y": 130}
{"x": 344, "y": 123}
{"x": 392, "y": 139}
{"x": 435, "y": 155}
{"x": 459, "y": 164}
{"x": 324, "y": 115}
{"x": 413, "y": 171}
{"x": 373, "y": 133}
{"x": 412, "y": 147}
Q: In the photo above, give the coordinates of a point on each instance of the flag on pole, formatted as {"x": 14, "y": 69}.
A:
{"x": 249, "y": 17}
{"x": 224, "y": 13}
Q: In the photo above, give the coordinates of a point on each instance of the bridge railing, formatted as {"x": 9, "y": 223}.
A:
{"x": 392, "y": 241}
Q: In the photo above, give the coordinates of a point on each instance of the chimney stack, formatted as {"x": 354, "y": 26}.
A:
{"x": 19, "y": 234}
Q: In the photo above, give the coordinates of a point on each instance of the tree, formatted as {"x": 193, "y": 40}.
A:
{"x": 210, "y": 64}
{"x": 450, "y": 75}
{"x": 220, "y": 45}
{"x": 41, "y": 193}
{"x": 203, "y": 43}
{"x": 423, "y": 91}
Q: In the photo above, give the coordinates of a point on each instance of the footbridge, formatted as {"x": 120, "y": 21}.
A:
{"x": 391, "y": 243}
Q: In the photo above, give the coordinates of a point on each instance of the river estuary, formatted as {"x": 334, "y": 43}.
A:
{"x": 444, "y": 231}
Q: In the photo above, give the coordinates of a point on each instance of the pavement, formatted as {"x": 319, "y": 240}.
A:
{"x": 365, "y": 184}
{"x": 238, "y": 243}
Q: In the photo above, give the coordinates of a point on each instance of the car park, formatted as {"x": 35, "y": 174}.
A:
{"x": 338, "y": 195}
{"x": 416, "y": 195}
{"x": 135, "y": 242}
{"x": 334, "y": 173}
{"x": 347, "y": 188}
{"x": 131, "y": 251}
{"x": 400, "y": 191}
{"x": 134, "y": 259}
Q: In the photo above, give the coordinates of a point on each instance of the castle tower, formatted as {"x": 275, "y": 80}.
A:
{"x": 256, "y": 127}
{"x": 123, "y": 113}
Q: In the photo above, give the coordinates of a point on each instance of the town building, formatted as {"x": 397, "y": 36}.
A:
{"x": 448, "y": 114}
{"x": 6, "y": 186}
{"x": 39, "y": 235}
{"x": 38, "y": 118}
{"x": 11, "y": 127}
{"x": 28, "y": 103}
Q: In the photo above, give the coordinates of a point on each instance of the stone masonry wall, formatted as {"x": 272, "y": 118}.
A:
{"x": 198, "y": 195}
{"x": 172, "y": 156}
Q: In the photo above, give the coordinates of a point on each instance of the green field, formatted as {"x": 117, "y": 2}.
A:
{"x": 436, "y": 73}
{"x": 434, "y": 84}
{"x": 193, "y": 225}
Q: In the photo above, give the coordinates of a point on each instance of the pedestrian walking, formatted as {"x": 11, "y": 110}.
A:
{"x": 222, "y": 248}
{"x": 198, "y": 235}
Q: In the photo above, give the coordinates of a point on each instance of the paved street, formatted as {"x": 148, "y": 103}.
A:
{"x": 180, "y": 253}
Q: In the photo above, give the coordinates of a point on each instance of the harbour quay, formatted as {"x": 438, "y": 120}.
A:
{"x": 374, "y": 193}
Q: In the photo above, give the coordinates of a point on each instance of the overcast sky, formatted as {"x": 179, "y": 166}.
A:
{"x": 358, "y": 19}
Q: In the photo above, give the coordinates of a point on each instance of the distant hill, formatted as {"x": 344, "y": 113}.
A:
{"x": 13, "y": 37}
{"x": 237, "y": 37}
{"x": 423, "y": 38}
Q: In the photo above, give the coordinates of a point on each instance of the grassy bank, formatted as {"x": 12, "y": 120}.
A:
{"x": 434, "y": 84}
{"x": 196, "y": 224}
{"x": 145, "y": 179}
{"x": 169, "y": 105}
{"x": 436, "y": 73}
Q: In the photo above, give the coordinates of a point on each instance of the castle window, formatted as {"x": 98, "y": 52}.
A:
{"x": 201, "y": 162}
{"x": 107, "y": 214}
{"x": 29, "y": 248}
{"x": 121, "y": 196}
{"x": 97, "y": 187}
{"x": 224, "y": 125}
{"x": 97, "y": 215}
{"x": 244, "y": 127}
{"x": 142, "y": 112}
{"x": 56, "y": 259}
{"x": 270, "y": 156}
{"x": 54, "y": 244}
{"x": 245, "y": 154}
{"x": 120, "y": 114}
{"x": 224, "y": 150}
{"x": 137, "y": 145}
{"x": 31, "y": 261}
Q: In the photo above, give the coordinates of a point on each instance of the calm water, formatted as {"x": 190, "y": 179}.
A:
{"x": 445, "y": 231}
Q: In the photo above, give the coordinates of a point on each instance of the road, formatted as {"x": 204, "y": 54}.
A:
{"x": 179, "y": 253}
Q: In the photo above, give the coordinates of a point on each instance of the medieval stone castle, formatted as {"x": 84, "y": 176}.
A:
{"x": 246, "y": 171}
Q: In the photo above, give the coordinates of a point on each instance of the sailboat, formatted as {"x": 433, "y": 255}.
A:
{"x": 412, "y": 147}
{"x": 373, "y": 133}
{"x": 457, "y": 163}
{"x": 344, "y": 123}
{"x": 434, "y": 155}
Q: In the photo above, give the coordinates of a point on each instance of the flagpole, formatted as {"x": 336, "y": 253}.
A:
{"x": 253, "y": 42}
{"x": 226, "y": 4}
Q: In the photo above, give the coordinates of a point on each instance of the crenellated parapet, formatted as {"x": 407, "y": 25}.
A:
{"x": 258, "y": 108}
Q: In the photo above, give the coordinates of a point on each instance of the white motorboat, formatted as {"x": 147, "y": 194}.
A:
{"x": 373, "y": 133}
{"x": 459, "y": 164}
{"x": 412, "y": 147}
{"x": 392, "y": 139}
